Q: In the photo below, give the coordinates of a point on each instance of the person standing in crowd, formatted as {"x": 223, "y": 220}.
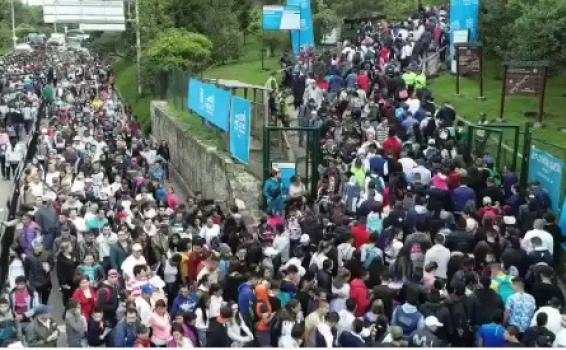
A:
{"x": 406, "y": 239}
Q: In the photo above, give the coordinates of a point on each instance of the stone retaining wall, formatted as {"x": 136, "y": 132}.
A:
{"x": 196, "y": 166}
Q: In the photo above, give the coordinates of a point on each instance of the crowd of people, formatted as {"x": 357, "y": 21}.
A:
{"x": 411, "y": 239}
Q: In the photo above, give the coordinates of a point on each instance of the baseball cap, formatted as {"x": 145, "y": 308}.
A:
{"x": 137, "y": 246}
{"x": 147, "y": 289}
{"x": 305, "y": 239}
{"x": 432, "y": 321}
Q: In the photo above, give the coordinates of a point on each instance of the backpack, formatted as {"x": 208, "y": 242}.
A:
{"x": 108, "y": 293}
{"x": 371, "y": 254}
{"x": 459, "y": 314}
{"x": 407, "y": 321}
{"x": 375, "y": 223}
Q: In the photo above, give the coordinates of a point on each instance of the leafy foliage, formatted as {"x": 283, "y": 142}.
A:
{"x": 177, "y": 48}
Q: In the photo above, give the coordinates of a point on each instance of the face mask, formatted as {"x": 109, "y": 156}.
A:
{"x": 4, "y": 309}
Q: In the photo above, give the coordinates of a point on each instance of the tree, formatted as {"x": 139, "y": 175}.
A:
{"x": 325, "y": 20}
{"x": 539, "y": 33}
{"x": 178, "y": 48}
{"x": 214, "y": 18}
{"x": 248, "y": 16}
{"x": 355, "y": 8}
{"x": 174, "y": 49}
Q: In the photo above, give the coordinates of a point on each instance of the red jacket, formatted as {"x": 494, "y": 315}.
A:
{"x": 361, "y": 235}
{"x": 87, "y": 305}
{"x": 359, "y": 292}
{"x": 392, "y": 144}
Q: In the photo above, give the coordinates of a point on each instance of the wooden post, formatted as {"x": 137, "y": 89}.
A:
{"x": 457, "y": 70}
{"x": 502, "y": 105}
{"x": 480, "y": 49}
{"x": 542, "y": 95}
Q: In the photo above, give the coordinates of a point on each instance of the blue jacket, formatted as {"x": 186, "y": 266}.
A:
{"x": 349, "y": 340}
{"x": 461, "y": 196}
{"x": 124, "y": 335}
{"x": 336, "y": 83}
{"x": 182, "y": 304}
{"x": 246, "y": 298}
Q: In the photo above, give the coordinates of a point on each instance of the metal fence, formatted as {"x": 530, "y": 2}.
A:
{"x": 177, "y": 92}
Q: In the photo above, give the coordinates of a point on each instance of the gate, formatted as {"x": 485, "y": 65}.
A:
{"x": 280, "y": 149}
{"x": 499, "y": 141}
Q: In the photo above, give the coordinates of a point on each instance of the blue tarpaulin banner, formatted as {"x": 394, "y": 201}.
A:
{"x": 210, "y": 102}
{"x": 303, "y": 38}
{"x": 464, "y": 14}
{"x": 240, "y": 128}
{"x": 547, "y": 170}
{"x": 278, "y": 18}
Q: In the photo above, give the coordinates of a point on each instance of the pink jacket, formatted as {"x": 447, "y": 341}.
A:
{"x": 161, "y": 328}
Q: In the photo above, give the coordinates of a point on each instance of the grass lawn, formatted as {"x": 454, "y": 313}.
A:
{"x": 127, "y": 85}
{"x": 469, "y": 107}
{"x": 247, "y": 68}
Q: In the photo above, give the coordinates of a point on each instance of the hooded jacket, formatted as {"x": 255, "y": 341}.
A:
{"x": 246, "y": 298}
{"x": 359, "y": 293}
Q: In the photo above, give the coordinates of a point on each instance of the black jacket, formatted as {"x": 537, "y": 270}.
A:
{"x": 483, "y": 305}
{"x": 217, "y": 335}
{"x": 35, "y": 273}
{"x": 108, "y": 301}
{"x": 63, "y": 266}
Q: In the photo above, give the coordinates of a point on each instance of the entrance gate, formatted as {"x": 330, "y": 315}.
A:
{"x": 280, "y": 147}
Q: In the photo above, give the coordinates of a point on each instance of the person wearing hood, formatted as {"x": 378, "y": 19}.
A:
{"x": 408, "y": 317}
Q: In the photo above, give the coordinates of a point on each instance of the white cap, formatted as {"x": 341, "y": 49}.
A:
{"x": 432, "y": 321}
{"x": 305, "y": 239}
{"x": 509, "y": 220}
{"x": 486, "y": 200}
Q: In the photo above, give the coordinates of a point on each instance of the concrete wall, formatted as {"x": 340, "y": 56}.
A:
{"x": 199, "y": 167}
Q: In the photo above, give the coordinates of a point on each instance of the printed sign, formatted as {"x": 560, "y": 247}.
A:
{"x": 210, "y": 102}
{"x": 524, "y": 81}
{"x": 240, "y": 128}
{"x": 278, "y": 18}
{"x": 547, "y": 170}
{"x": 469, "y": 60}
{"x": 287, "y": 171}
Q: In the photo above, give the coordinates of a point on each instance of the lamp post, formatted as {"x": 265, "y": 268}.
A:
{"x": 14, "y": 37}
{"x": 138, "y": 47}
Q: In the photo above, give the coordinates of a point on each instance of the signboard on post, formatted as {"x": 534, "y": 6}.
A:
{"x": 84, "y": 11}
{"x": 464, "y": 16}
{"x": 240, "y": 129}
{"x": 303, "y": 38}
{"x": 210, "y": 102}
{"x": 524, "y": 79}
{"x": 547, "y": 170}
{"x": 279, "y": 18}
{"x": 469, "y": 60}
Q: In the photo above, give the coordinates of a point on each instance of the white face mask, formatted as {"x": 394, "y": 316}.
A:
{"x": 4, "y": 309}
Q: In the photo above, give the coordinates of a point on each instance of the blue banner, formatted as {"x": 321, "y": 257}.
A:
{"x": 277, "y": 18}
{"x": 287, "y": 171}
{"x": 547, "y": 170}
{"x": 210, "y": 102}
{"x": 464, "y": 14}
{"x": 305, "y": 37}
{"x": 240, "y": 128}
